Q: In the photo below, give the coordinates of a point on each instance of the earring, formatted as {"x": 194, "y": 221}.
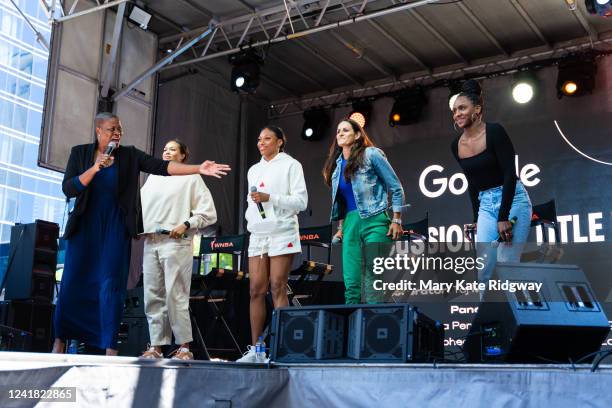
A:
{"x": 455, "y": 127}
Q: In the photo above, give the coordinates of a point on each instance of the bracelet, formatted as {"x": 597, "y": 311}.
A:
{"x": 187, "y": 224}
{"x": 397, "y": 221}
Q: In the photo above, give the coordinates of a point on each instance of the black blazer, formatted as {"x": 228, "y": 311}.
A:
{"x": 130, "y": 162}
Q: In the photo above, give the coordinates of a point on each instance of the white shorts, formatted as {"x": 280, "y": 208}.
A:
{"x": 274, "y": 244}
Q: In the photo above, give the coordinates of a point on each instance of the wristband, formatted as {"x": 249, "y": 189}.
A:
{"x": 187, "y": 224}
{"x": 397, "y": 221}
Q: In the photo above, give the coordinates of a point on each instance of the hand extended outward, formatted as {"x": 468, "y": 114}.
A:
{"x": 214, "y": 169}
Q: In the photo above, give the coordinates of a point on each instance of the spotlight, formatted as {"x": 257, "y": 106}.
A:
{"x": 140, "y": 17}
{"x": 524, "y": 87}
{"x": 576, "y": 78}
{"x": 316, "y": 122}
{"x": 245, "y": 71}
{"x": 361, "y": 112}
{"x": 599, "y": 7}
{"x": 408, "y": 107}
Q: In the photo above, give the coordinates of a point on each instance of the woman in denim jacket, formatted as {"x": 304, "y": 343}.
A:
{"x": 361, "y": 180}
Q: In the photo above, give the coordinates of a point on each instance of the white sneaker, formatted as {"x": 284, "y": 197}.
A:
{"x": 249, "y": 357}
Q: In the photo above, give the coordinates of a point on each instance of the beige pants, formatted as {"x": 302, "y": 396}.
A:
{"x": 167, "y": 268}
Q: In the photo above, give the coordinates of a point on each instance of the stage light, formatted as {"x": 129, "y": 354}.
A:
{"x": 408, "y": 107}
{"x": 599, "y": 7}
{"x": 140, "y": 17}
{"x": 569, "y": 88}
{"x": 361, "y": 112}
{"x": 316, "y": 122}
{"x": 245, "y": 71}
{"x": 576, "y": 78}
{"x": 524, "y": 87}
{"x": 522, "y": 92}
{"x": 240, "y": 81}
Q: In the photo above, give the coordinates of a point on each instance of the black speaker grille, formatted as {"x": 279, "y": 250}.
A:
{"x": 382, "y": 333}
{"x": 299, "y": 334}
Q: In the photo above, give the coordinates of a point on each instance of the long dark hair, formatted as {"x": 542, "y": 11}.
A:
{"x": 183, "y": 149}
{"x": 355, "y": 159}
{"x": 279, "y": 133}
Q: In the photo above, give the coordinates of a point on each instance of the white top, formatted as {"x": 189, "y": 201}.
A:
{"x": 169, "y": 201}
{"x": 282, "y": 178}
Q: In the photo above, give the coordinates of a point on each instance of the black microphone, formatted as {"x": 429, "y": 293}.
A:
{"x": 259, "y": 206}
{"x": 167, "y": 232}
{"x": 513, "y": 222}
{"x": 109, "y": 149}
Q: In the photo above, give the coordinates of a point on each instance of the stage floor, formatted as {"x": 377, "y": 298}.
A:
{"x": 130, "y": 382}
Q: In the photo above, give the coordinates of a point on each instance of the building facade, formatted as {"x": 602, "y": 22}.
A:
{"x": 27, "y": 192}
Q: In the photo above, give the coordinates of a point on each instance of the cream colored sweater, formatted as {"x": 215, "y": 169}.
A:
{"x": 169, "y": 201}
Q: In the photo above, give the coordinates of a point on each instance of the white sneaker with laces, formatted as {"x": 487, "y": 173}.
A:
{"x": 249, "y": 357}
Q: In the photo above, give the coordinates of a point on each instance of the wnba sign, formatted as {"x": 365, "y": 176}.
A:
{"x": 457, "y": 184}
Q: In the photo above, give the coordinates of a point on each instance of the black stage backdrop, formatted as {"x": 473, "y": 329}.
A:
{"x": 206, "y": 116}
{"x": 549, "y": 167}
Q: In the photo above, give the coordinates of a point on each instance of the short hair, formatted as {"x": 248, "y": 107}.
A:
{"x": 102, "y": 116}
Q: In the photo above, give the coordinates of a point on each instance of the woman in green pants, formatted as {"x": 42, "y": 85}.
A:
{"x": 361, "y": 180}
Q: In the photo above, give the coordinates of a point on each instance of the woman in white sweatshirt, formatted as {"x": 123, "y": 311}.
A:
{"x": 277, "y": 194}
{"x": 172, "y": 207}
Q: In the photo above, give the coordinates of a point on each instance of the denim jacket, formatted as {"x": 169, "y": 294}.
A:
{"x": 371, "y": 184}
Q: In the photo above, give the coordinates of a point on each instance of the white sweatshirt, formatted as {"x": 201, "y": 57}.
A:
{"x": 169, "y": 201}
{"x": 282, "y": 178}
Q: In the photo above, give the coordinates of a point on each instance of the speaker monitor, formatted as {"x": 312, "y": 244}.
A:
{"x": 32, "y": 261}
{"x": 32, "y": 317}
{"x": 307, "y": 334}
{"x": 133, "y": 336}
{"x": 561, "y": 322}
{"x": 393, "y": 333}
{"x": 133, "y": 305}
{"x": 381, "y": 333}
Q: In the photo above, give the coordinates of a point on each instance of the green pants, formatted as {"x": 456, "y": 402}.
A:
{"x": 359, "y": 245}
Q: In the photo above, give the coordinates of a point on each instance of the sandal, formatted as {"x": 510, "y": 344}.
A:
{"x": 151, "y": 353}
{"x": 182, "y": 353}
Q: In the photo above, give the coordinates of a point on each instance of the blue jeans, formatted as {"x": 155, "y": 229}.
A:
{"x": 487, "y": 233}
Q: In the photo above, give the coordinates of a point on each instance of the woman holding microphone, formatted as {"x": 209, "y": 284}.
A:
{"x": 500, "y": 204}
{"x": 278, "y": 194}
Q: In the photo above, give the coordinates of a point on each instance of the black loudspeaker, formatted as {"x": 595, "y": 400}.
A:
{"x": 33, "y": 318}
{"x": 134, "y": 303}
{"x": 306, "y": 335}
{"x": 133, "y": 336}
{"x": 345, "y": 333}
{"x": 393, "y": 333}
{"x": 561, "y": 322}
{"x": 32, "y": 261}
